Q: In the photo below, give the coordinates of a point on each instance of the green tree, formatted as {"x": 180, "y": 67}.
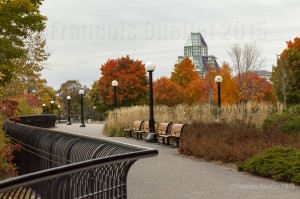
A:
{"x": 29, "y": 70}
{"x": 71, "y": 88}
{"x": 94, "y": 94}
{"x": 18, "y": 19}
{"x": 286, "y": 74}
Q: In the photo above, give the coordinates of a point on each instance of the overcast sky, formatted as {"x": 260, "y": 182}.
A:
{"x": 83, "y": 35}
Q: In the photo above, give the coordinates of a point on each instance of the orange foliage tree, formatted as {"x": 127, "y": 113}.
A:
{"x": 167, "y": 92}
{"x": 209, "y": 81}
{"x": 184, "y": 73}
{"x": 131, "y": 76}
{"x": 196, "y": 91}
{"x": 229, "y": 86}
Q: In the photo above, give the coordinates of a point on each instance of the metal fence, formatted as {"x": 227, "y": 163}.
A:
{"x": 44, "y": 121}
{"x": 57, "y": 165}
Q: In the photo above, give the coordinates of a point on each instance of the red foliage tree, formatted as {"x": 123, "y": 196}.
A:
{"x": 131, "y": 76}
{"x": 196, "y": 91}
{"x": 8, "y": 107}
{"x": 255, "y": 88}
{"x": 32, "y": 100}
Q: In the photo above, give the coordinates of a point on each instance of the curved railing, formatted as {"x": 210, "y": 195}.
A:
{"x": 59, "y": 165}
{"x": 44, "y": 121}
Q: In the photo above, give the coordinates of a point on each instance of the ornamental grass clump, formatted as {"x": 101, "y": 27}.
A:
{"x": 253, "y": 113}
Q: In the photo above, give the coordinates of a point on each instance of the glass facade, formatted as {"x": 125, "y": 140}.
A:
{"x": 195, "y": 45}
{"x": 196, "y": 49}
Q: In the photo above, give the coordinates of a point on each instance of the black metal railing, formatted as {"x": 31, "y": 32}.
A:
{"x": 59, "y": 165}
{"x": 44, "y": 121}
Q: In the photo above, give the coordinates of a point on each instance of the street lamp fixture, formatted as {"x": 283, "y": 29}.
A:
{"x": 94, "y": 112}
{"x": 218, "y": 80}
{"x": 52, "y": 106}
{"x": 150, "y": 67}
{"x": 58, "y": 114}
{"x": 69, "y": 109}
{"x": 115, "y": 83}
{"x": 81, "y": 92}
{"x": 44, "y": 108}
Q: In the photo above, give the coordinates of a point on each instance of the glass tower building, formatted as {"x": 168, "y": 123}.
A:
{"x": 196, "y": 49}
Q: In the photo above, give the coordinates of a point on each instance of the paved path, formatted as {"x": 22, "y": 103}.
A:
{"x": 170, "y": 176}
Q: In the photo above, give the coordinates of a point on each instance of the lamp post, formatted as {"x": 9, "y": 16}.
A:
{"x": 94, "y": 112}
{"x": 150, "y": 67}
{"x": 52, "y": 106}
{"x": 115, "y": 83}
{"x": 218, "y": 80}
{"x": 81, "y": 92}
{"x": 69, "y": 109}
{"x": 58, "y": 114}
{"x": 44, "y": 108}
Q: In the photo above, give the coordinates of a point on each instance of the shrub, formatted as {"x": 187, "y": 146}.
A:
{"x": 231, "y": 142}
{"x": 8, "y": 109}
{"x": 7, "y": 168}
{"x": 279, "y": 163}
{"x": 288, "y": 121}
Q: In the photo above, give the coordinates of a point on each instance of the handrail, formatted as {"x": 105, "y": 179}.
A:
{"x": 91, "y": 167}
{"x": 36, "y": 177}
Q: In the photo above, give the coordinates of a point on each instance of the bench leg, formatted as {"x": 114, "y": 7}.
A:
{"x": 168, "y": 141}
{"x": 177, "y": 142}
{"x": 163, "y": 140}
{"x": 127, "y": 134}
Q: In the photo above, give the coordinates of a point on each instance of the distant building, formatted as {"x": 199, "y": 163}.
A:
{"x": 263, "y": 73}
{"x": 196, "y": 49}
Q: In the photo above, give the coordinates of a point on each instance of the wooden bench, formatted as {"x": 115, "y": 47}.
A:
{"x": 145, "y": 129}
{"x": 175, "y": 133}
{"x": 163, "y": 129}
{"x": 137, "y": 125}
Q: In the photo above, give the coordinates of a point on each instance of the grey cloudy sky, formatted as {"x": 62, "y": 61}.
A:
{"x": 82, "y": 35}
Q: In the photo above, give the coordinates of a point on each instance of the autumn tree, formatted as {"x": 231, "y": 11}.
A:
{"x": 22, "y": 52}
{"x": 229, "y": 86}
{"x": 196, "y": 92}
{"x": 28, "y": 75}
{"x": 184, "y": 73}
{"x": 131, "y": 76}
{"x": 255, "y": 88}
{"x": 209, "y": 81}
{"x": 245, "y": 59}
{"x": 28, "y": 104}
{"x": 167, "y": 92}
{"x": 286, "y": 74}
{"x": 19, "y": 19}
